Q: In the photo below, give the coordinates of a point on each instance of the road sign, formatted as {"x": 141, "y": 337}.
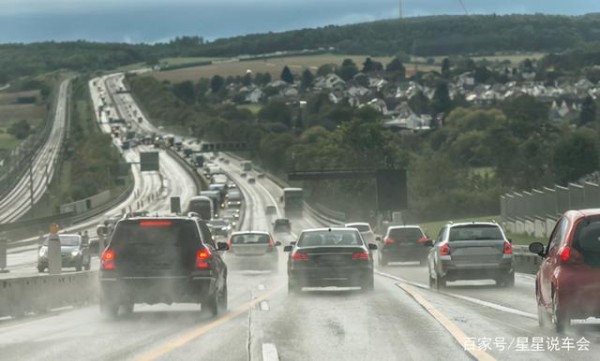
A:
{"x": 224, "y": 146}
{"x": 53, "y": 229}
{"x": 392, "y": 194}
{"x": 149, "y": 162}
{"x": 175, "y": 205}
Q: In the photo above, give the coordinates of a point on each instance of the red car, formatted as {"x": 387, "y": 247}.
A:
{"x": 568, "y": 282}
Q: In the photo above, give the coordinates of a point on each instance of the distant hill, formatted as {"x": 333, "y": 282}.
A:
{"x": 422, "y": 36}
{"x": 426, "y": 36}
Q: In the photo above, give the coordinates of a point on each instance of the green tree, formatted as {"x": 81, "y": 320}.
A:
{"x": 419, "y": 103}
{"x": 575, "y": 156}
{"x": 217, "y": 83}
{"x": 441, "y": 98}
{"x": 307, "y": 79}
{"x": 348, "y": 69}
{"x": 370, "y": 66}
{"x": 446, "y": 68}
{"x": 326, "y": 69}
{"x": 276, "y": 111}
{"x": 185, "y": 91}
{"x": 247, "y": 79}
{"x": 396, "y": 69}
{"x": 20, "y": 129}
{"x": 588, "y": 111}
{"x": 286, "y": 75}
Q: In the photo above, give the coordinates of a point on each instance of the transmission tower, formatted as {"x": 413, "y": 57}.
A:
{"x": 400, "y": 11}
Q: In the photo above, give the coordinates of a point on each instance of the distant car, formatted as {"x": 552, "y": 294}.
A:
{"x": 270, "y": 210}
{"x": 74, "y": 253}
{"x": 282, "y": 225}
{"x": 251, "y": 180}
{"x": 243, "y": 174}
{"x": 219, "y": 227}
{"x": 471, "y": 251}
{"x": 260, "y": 175}
{"x": 404, "y": 244}
{"x": 162, "y": 260}
{"x": 330, "y": 257}
{"x": 568, "y": 281}
{"x": 364, "y": 229}
{"x": 253, "y": 250}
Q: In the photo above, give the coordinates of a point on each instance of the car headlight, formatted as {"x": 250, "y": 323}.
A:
{"x": 75, "y": 253}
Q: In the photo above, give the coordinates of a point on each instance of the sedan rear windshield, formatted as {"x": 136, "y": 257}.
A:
{"x": 333, "y": 238}
{"x": 475, "y": 233}
{"x": 250, "y": 239}
{"x": 69, "y": 241}
{"x": 360, "y": 227}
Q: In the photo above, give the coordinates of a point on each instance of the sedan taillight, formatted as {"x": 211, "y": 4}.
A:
{"x": 360, "y": 255}
{"x": 299, "y": 256}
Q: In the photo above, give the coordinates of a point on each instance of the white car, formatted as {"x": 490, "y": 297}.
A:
{"x": 364, "y": 229}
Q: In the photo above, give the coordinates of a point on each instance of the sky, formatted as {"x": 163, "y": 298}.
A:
{"x": 161, "y": 20}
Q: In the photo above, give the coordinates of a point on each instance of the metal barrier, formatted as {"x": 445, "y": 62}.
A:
{"x": 38, "y": 294}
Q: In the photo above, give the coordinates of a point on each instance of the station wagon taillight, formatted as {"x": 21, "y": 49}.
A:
{"x": 108, "y": 260}
{"x": 202, "y": 257}
{"x": 507, "y": 248}
{"x": 445, "y": 250}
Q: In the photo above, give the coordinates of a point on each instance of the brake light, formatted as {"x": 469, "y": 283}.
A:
{"x": 202, "y": 257}
{"x": 299, "y": 257}
{"x": 445, "y": 250}
{"x": 360, "y": 255}
{"x": 155, "y": 223}
{"x": 565, "y": 255}
{"x": 271, "y": 247}
{"x": 388, "y": 240}
{"x": 108, "y": 260}
{"x": 508, "y": 248}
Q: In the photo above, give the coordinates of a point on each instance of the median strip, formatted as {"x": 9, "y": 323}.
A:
{"x": 195, "y": 333}
{"x": 456, "y": 332}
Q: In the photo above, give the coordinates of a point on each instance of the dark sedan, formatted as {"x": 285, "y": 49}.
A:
{"x": 330, "y": 257}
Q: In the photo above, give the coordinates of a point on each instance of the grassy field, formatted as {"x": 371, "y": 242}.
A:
{"x": 433, "y": 228}
{"x": 513, "y": 58}
{"x": 254, "y": 108}
{"x": 274, "y": 66}
{"x": 11, "y": 112}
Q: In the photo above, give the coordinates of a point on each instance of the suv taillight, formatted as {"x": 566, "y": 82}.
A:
{"x": 299, "y": 257}
{"x": 108, "y": 260}
{"x": 388, "y": 240}
{"x": 202, "y": 258}
{"x": 271, "y": 246}
{"x": 507, "y": 248}
{"x": 445, "y": 250}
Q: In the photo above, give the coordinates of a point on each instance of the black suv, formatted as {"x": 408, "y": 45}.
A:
{"x": 168, "y": 260}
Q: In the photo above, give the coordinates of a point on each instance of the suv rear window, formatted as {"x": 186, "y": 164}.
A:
{"x": 475, "y": 232}
{"x": 282, "y": 222}
{"x": 156, "y": 244}
{"x": 406, "y": 235}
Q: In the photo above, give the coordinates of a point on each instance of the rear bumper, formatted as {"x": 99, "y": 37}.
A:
{"x": 321, "y": 277}
{"x": 261, "y": 262}
{"x": 153, "y": 290}
{"x": 578, "y": 295}
{"x": 394, "y": 254}
{"x": 475, "y": 271}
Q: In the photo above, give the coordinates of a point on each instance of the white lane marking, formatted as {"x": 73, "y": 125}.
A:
{"x": 269, "y": 352}
{"x": 264, "y": 306}
{"x": 476, "y": 301}
{"x": 261, "y": 287}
